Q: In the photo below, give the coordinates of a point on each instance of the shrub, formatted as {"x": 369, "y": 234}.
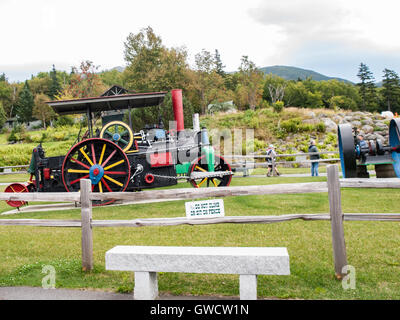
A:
{"x": 59, "y": 136}
{"x": 278, "y": 106}
{"x": 63, "y": 121}
{"x": 291, "y": 125}
{"x": 253, "y": 145}
{"x": 17, "y": 134}
{"x": 305, "y": 127}
{"x": 330, "y": 138}
{"x": 320, "y": 127}
{"x": 12, "y": 137}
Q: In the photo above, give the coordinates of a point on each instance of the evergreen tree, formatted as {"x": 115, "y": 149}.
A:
{"x": 219, "y": 67}
{"x": 3, "y": 77}
{"x": 367, "y": 88}
{"x": 25, "y": 104}
{"x": 391, "y": 90}
{"x": 3, "y": 116}
{"x": 55, "y": 87}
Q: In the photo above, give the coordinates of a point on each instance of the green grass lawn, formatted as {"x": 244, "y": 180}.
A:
{"x": 372, "y": 247}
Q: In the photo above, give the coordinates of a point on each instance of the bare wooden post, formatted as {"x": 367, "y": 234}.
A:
{"x": 86, "y": 215}
{"x": 335, "y": 205}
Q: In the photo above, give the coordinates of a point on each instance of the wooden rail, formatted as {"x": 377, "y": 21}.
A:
{"x": 246, "y": 165}
{"x": 8, "y": 169}
{"x": 333, "y": 187}
{"x": 163, "y": 222}
{"x": 280, "y": 155}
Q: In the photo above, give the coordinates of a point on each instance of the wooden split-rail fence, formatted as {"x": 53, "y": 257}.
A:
{"x": 240, "y": 162}
{"x": 332, "y": 186}
{"x": 246, "y": 162}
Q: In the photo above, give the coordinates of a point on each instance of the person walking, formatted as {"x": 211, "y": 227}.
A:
{"x": 314, "y": 158}
{"x": 271, "y": 155}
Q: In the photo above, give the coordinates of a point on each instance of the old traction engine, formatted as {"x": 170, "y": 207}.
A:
{"x": 116, "y": 159}
{"x": 356, "y": 154}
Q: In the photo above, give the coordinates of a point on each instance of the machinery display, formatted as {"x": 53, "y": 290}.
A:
{"x": 117, "y": 159}
{"x": 356, "y": 154}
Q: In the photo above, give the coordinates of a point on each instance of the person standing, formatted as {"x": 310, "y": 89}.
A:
{"x": 314, "y": 158}
{"x": 363, "y": 145}
{"x": 361, "y": 141}
{"x": 271, "y": 155}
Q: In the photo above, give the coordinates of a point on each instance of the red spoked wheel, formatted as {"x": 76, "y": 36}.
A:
{"x": 101, "y": 161}
{"x": 16, "y": 188}
{"x": 200, "y": 165}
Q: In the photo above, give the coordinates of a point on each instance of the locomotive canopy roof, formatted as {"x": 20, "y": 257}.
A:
{"x": 105, "y": 103}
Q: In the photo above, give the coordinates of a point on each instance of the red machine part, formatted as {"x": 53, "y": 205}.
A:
{"x": 16, "y": 188}
{"x": 177, "y": 104}
{"x": 47, "y": 173}
{"x": 149, "y": 178}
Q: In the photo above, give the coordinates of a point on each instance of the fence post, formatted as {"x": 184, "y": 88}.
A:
{"x": 335, "y": 208}
{"x": 273, "y": 166}
{"x": 86, "y": 216}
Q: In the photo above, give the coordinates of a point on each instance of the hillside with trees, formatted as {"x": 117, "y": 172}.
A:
{"x": 207, "y": 87}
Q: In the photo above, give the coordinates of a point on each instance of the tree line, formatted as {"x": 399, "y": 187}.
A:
{"x": 151, "y": 66}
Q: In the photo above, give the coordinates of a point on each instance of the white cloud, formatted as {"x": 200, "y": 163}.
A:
{"x": 322, "y": 33}
{"x": 353, "y": 23}
{"x": 43, "y": 32}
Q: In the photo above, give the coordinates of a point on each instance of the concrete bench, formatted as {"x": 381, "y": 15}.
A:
{"x": 146, "y": 261}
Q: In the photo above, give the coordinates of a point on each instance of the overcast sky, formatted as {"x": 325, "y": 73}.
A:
{"x": 330, "y": 37}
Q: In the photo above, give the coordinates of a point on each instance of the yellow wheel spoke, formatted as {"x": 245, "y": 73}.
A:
{"x": 100, "y": 187}
{"x": 201, "y": 169}
{"x": 113, "y": 165}
{"x": 77, "y": 171}
{"x": 214, "y": 182}
{"x": 114, "y": 181}
{"x": 86, "y": 156}
{"x": 202, "y": 181}
{"x": 102, "y": 154}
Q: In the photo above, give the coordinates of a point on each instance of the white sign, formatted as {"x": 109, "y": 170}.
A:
{"x": 205, "y": 209}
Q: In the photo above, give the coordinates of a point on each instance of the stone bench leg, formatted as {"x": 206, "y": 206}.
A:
{"x": 248, "y": 286}
{"x": 146, "y": 286}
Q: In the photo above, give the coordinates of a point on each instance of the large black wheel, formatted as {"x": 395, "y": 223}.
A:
{"x": 119, "y": 133}
{"x": 347, "y": 151}
{"x": 199, "y": 165}
{"x": 394, "y": 141}
{"x": 101, "y": 161}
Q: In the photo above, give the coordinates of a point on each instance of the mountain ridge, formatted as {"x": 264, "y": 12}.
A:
{"x": 285, "y": 72}
{"x": 295, "y": 73}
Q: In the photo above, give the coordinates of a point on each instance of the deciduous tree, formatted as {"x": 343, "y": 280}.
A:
{"x": 42, "y": 110}
{"x": 84, "y": 82}
{"x": 249, "y": 89}
{"x": 208, "y": 83}
{"x": 152, "y": 66}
